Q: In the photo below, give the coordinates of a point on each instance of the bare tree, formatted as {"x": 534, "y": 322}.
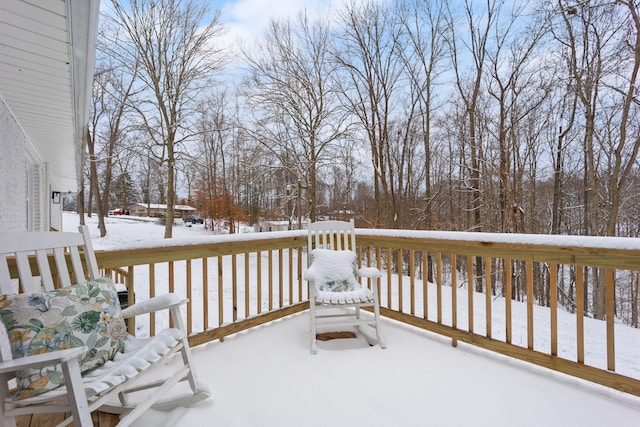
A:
{"x": 368, "y": 50}
{"x": 625, "y": 150}
{"x": 479, "y": 22}
{"x": 469, "y": 77}
{"x": 176, "y": 56}
{"x": 423, "y": 55}
{"x": 291, "y": 90}
{"x": 215, "y": 136}
{"x": 585, "y": 70}
{"x": 93, "y": 181}
{"x": 519, "y": 88}
{"x": 112, "y": 89}
{"x": 592, "y": 32}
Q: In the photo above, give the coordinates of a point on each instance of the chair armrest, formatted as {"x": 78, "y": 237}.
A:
{"x": 53, "y": 357}
{"x": 151, "y": 305}
{"x": 309, "y": 275}
{"x": 371, "y": 272}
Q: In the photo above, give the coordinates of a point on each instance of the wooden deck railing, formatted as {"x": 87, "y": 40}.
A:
{"x": 232, "y": 282}
{"x": 510, "y": 297}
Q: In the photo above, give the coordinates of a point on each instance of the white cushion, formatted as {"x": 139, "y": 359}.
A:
{"x": 333, "y": 274}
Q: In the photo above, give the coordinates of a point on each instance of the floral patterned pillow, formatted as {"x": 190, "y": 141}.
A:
{"x": 87, "y": 314}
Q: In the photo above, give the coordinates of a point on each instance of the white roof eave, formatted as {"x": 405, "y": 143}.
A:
{"x": 83, "y": 30}
{"x": 47, "y": 56}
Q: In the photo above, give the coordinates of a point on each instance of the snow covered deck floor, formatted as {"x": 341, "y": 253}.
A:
{"x": 266, "y": 377}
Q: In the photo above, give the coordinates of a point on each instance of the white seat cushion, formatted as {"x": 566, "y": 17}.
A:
{"x": 334, "y": 277}
{"x": 139, "y": 354}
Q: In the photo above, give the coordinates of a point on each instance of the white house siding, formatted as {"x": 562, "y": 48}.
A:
{"x": 55, "y": 215}
{"x": 21, "y": 179}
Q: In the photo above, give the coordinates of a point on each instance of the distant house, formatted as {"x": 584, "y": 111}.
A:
{"x": 160, "y": 210}
{"x": 48, "y": 56}
{"x": 274, "y": 226}
{"x": 339, "y": 215}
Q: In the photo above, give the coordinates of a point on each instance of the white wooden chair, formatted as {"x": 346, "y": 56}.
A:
{"x": 333, "y": 275}
{"x": 115, "y": 386}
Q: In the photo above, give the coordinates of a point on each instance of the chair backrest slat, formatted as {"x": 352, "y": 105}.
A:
{"x": 61, "y": 265}
{"x": 6, "y": 284}
{"x": 76, "y": 263}
{"x": 335, "y": 235}
{"x": 24, "y": 271}
{"x": 45, "y": 271}
{"x": 89, "y": 254}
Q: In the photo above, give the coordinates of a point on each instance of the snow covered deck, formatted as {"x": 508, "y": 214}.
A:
{"x": 267, "y": 377}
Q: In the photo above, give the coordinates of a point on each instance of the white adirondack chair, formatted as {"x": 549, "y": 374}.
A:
{"x": 332, "y": 274}
{"x": 111, "y": 386}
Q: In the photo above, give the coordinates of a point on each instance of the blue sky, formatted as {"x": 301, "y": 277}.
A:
{"x": 247, "y": 19}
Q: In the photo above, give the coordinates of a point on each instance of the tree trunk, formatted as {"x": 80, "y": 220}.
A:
{"x": 171, "y": 191}
{"x": 80, "y": 201}
{"x": 93, "y": 167}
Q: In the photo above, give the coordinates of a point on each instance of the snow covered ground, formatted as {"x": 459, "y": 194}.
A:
{"x": 127, "y": 231}
{"x": 267, "y": 377}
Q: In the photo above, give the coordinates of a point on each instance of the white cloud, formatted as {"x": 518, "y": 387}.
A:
{"x": 248, "y": 19}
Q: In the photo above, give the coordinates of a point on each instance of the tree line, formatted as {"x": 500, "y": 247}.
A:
{"x": 492, "y": 116}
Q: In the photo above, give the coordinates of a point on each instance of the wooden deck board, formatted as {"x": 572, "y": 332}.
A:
{"x": 100, "y": 419}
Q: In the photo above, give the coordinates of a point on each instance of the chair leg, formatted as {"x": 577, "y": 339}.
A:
{"x": 312, "y": 320}
{"x": 198, "y": 390}
{"x": 184, "y": 351}
{"x": 4, "y": 393}
{"x": 381, "y": 343}
{"x": 376, "y": 314}
{"x": 187, "y": 359}
{"x": 76, "y": 394}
